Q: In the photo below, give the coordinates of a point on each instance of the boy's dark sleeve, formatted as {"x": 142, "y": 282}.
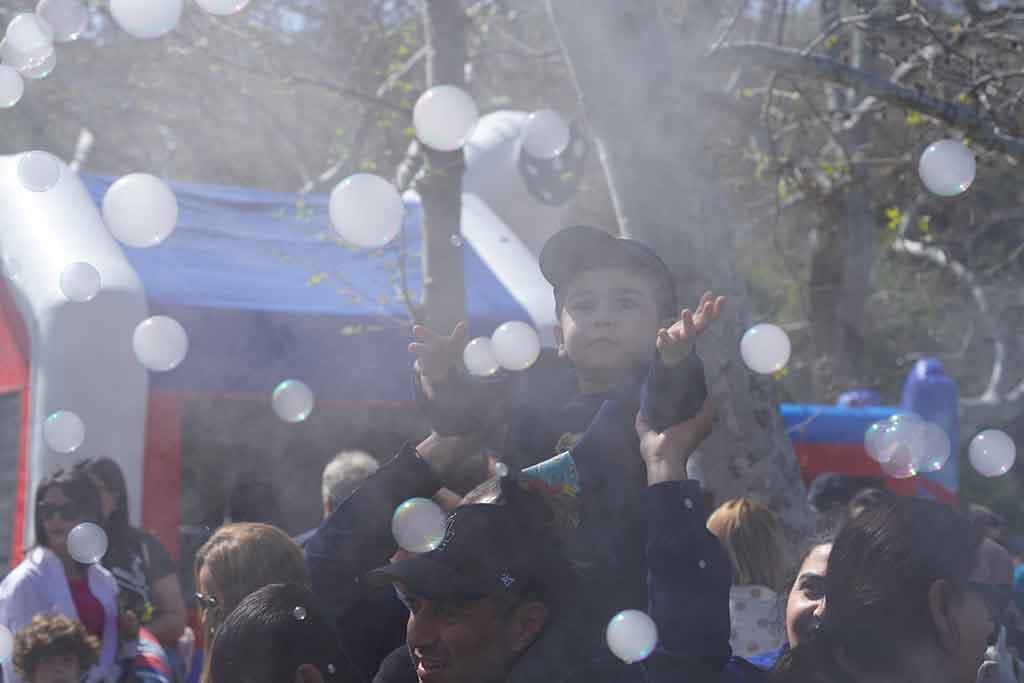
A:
{"x": 461, "y": 403}
{"x": 357, "y": 538}
{"x": 688, "y": 583}
{"x": 673, "y": 395}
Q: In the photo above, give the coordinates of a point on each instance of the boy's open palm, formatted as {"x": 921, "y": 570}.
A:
{"x": 675, "y": 343}
{"x": 437, "y": 353}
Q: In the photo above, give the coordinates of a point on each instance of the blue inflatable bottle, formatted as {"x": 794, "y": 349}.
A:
{"x": 933, "y": 395}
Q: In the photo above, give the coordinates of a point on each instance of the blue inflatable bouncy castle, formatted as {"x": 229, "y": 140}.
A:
{"x": 831, "y": 438}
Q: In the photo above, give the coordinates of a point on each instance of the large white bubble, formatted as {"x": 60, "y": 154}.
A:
{"x": 545, "y": 134}
{"x": 516, "y": 345}
{"x": 67, "y": 18}
{"x": 38, "y": 171}
{"x": 632, "y": 636}
{"x": 140, "y": 210}
{"x": 223, "y": 7}
{"x": 947, "y": 168}
{"x": 479, "y": 357}
{"x": 87, "y": 543}
{"x": 444, "y": 117}
{"x": 27, "y": 43}
{"x": 366, "y": 210}
{"x": 160, "y": 343}
{"x": 935, "y": 448}
{"x": 63, "y": 431}
{"x": 80, "y": 281}
{"x": 12, "y": 86}
{"x": 418, "y": 525}
{"x": 146, "y": 18}
{"x": 992, "y": 453}
{"x": 6, "y": 644}
{"x": 292, "y": 400}
{"x": 765, "y": 348}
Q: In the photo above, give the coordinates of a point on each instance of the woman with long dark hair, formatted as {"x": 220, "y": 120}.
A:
{"x": 907, "y": 596}
{"x": 50, "y": 580}
{"x": 144, "y": 570}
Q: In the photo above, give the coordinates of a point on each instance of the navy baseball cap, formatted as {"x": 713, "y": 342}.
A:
{"x": 487, "y": 550}
{"x": 579, "y": 248}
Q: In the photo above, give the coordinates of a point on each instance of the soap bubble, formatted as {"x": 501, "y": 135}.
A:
{"x": 140, "y": 210}
{"x": 455, "y": 241}
{"x": 87, "y": 543}
{"x": 146, "y": 18}
{"x": 516, "y": 345}
{"x": 366, "y": 210}
{"x": 27, "y": 43}
{"x": 223, "y": 7}
{"x": 632, "y": 636}
{"x": 935, "y": 448}
{"x": 299, "y": 613}
{"x": 765, "y": 348}
{"x": 63, "y": 431}
{"x": 44, "y": 69}
{"x": 160, "y": 343}
{"x": 292, "y": 400}
{"x": 67, "y": 18}
{"x": 479, "y": 357}
{"x": 947, "y": 168}
{"x": 545, "y": 134}
{"x": 6, "y": 643}
{"x": 38, "y": 171}
{"x": 901, "y": 461}
{"x": 992, "y": 453}
{"x": 444, "y": 117}
{"x": 12, "y": 87}
{"x": 501, "y": 469}
{"x": 80, "y": 281}
{"x": 873, "y": 440}
{"x": 418, "y": 525}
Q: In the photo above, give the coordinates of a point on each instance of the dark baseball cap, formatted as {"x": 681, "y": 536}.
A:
{"x": 487, "y": 550}
{"x": 578, "y": 248}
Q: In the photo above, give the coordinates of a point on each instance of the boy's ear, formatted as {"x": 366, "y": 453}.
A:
{"x": 559, "y": 341}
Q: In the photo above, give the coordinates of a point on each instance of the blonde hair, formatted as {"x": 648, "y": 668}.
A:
{"x": 753, "y": 539}
{"x": 242, "y": 558}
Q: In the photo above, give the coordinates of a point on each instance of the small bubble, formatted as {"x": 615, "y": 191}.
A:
{"x": 331, "y": 669}
{"x": 501, "y": 469}
{"x": 299, "y": 613}
{"x": 455, "y": 240}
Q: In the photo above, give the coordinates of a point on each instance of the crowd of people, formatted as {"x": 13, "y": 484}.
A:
{"x": 568, "y": 502}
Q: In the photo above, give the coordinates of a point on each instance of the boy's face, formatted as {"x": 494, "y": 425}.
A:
{"x": 609, "y": 320}
{"x": 59, "y": 668}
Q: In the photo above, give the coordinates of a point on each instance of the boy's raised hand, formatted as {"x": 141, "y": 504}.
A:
{"x": 436, "y": 353}
{"x": 674, "y": 343}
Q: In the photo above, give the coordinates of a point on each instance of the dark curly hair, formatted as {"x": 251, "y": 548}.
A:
{"x": 51, "y": 635}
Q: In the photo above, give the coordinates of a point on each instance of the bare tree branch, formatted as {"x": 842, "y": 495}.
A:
{"x": 983, "y": 130}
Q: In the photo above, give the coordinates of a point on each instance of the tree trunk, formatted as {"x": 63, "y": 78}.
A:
{"x": 440, "y": 189}
{"x": 640, "y": 81}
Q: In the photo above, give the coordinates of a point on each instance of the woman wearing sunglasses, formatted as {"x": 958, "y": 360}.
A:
{"x": 50, "y": 581}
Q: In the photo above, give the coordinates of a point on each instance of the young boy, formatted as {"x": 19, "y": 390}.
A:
{"x": 618, "y": 338}
{"x": 620, "y": 349}
{"x": 54, "y": 649}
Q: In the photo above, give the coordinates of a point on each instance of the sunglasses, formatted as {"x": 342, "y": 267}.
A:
{"x": 205, "y": 601}
{"x": 69, "y": 511}
{"x": 997, "y": 597}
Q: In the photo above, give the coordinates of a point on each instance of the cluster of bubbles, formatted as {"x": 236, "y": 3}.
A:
{"x": 906, "y": 445}
{"x": 992, "y": 453}
{"x": 147, "y": 19}
{"x": 87, "y": 543}
{"x": 514, "y": 346}
{"x": 292, "y": 400}
{"x": 947, "y": 168}
{"x": 418, "y": 525}
{"x": 632, "y": 636}
{"x": 765, "y": 348}
{"x": 27, "y": 48}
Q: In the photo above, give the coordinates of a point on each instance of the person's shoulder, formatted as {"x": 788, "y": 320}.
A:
{"x": 397, "y": 667}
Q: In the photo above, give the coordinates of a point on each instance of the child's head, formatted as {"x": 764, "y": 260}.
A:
{"x": 54, "y": 649}
{"x": 611, "y": 296}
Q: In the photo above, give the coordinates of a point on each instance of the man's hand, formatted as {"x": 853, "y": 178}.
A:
{"x": 675, "y": 343}
{"x": 436, "y": 353}
{"x": 666, "y": 453}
